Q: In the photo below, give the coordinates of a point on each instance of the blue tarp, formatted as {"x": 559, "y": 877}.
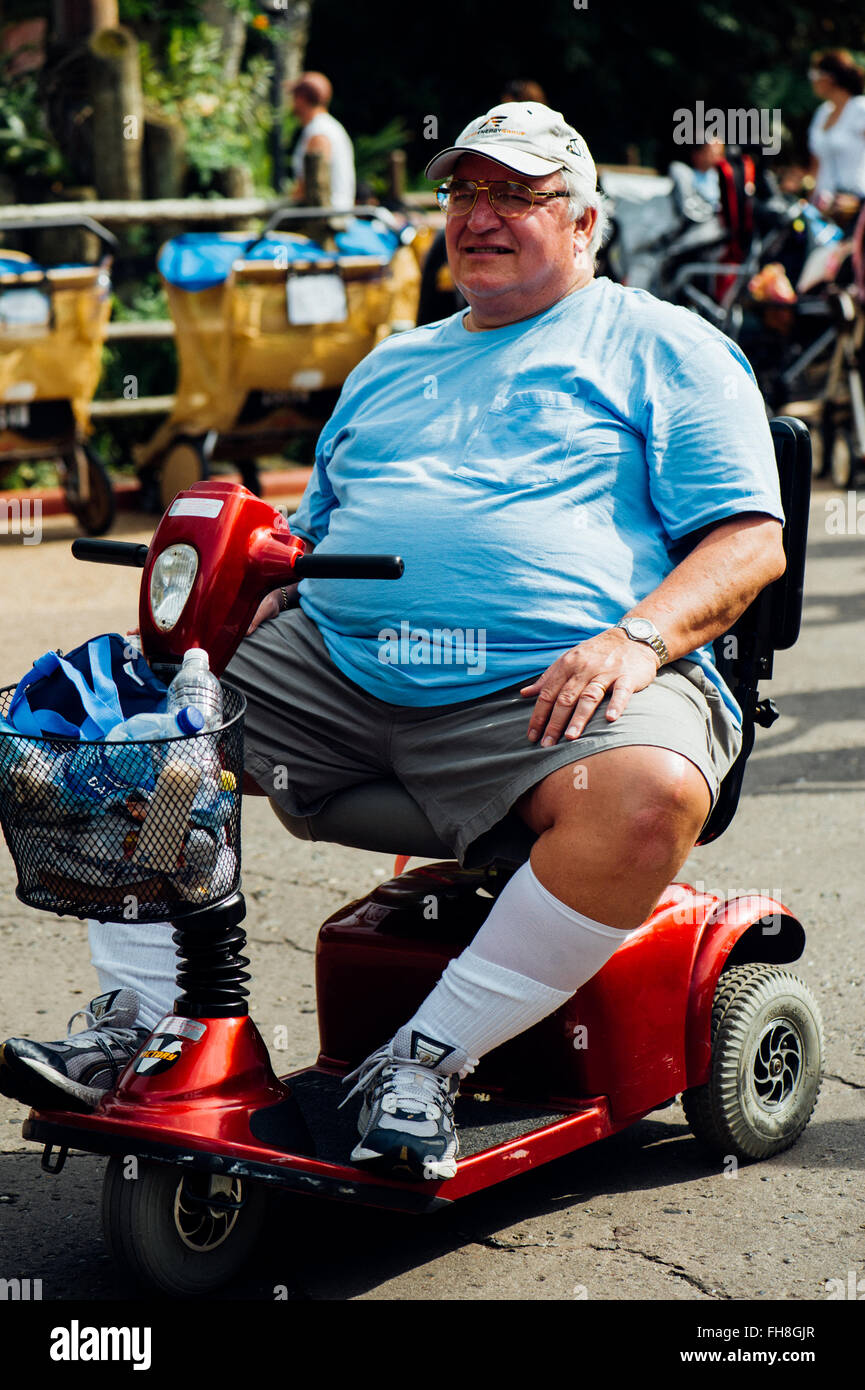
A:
{"x": 10, "y": 265}
{"x": 202, "y": 260}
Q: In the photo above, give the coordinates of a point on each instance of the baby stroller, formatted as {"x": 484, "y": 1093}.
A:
{"x": 839, "y": 435}
{"x": 268, "y": 328}
{"x": 767, "y": 271}
{"x": 651, "y": 233}
{"x": 52, "y": 330}
{"x": 780, "y": 307}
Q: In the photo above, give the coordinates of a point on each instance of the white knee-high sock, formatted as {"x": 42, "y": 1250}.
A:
{"x": 531, "y": 931}
{"x": 532, "y": 953}
{"x": 139, "y": 956}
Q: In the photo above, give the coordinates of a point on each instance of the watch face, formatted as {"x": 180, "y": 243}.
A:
{"x": 640, "y": 627}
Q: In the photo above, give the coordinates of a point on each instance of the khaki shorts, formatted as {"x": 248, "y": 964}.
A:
{"x": 311, "y": 732}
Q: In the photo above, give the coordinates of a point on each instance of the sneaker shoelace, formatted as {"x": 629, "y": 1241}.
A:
{"x": 95, "y": 1029}
{"x": 419, "y": 1088}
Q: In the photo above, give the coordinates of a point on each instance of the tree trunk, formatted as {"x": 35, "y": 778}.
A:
{"x": 118, "y": 114}
{"x": 78, "y": 19}
{"x": 233, "y": 29}
{"x": 54, "y": 245}
{"x": 396, "y": 177}
{"x": 290, "y": 30}
{"x": 235, "y": 181}
{"x": 65, "y": 78}
{"x": 165, "y": 163}
{"x": 316, "y": 183}
{"x": 316, "y": 179}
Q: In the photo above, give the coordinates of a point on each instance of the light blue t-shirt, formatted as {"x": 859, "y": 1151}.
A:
{"x": 538, "y": 480}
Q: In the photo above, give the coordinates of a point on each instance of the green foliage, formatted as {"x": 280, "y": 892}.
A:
{"x": 33, "y": 473}
{"x": 371, "y": 153}
{"x": 617, "y": 71}
{"x": 153, "y": 364}
{"x": 26, "y": 145}
{"x": 226, "y": 123}
{"x": 182, "y": 12}
{"x": 144, "y": 300}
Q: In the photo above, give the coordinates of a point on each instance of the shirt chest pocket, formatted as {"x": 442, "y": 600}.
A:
{"x": 524, "y": 440}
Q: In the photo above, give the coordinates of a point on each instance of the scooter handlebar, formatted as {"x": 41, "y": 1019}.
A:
{"x": 347, "y": 567}
{"x": 305, "y": 567}
{"x": 110, "y": 552}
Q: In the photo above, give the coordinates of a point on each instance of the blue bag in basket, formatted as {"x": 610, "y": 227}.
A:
{"x": 84, "y": 694}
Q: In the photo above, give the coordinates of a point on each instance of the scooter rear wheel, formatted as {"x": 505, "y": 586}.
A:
{"x": 183, "y": 1233}
{"x": 767, "y": 1056}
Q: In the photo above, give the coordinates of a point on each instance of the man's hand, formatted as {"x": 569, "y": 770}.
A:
{"x": 571, "y": 689}
{"x": 270, "y": 607}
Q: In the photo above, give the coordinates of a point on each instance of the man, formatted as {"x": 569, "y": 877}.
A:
{"x": 310, "y": 98}
{"x": 566, "y": 457}
{"x": 438, "y": 294}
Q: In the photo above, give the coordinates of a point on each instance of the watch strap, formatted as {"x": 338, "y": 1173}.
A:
{"x": 655, "y": 640}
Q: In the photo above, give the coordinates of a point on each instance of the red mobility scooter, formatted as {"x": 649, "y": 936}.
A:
{"x": 698, "y": 1002}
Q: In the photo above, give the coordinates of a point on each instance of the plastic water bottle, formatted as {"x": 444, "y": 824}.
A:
{"x": 196, "y": 685}
{"x": 102, "y": 777}
{"x": 137, "y": 762}
{"x": 189, "y": 781}
{"x": 143, "y": 727}
{"x": 200, "y": 755}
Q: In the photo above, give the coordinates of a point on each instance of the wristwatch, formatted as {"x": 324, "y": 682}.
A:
{"x": 644, "y": 630}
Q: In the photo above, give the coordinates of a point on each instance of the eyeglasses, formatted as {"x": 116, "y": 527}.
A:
{"x": 507, "y": 199}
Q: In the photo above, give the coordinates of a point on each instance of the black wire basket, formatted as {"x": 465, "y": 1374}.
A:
{"x": 125, "y": 832}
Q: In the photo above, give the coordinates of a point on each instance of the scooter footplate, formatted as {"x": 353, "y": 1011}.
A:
{"x": 481, "y": 1124}
{"x": 304, "y": 1142}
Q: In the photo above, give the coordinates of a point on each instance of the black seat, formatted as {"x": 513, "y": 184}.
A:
{"x": 383, "y": 817}
{"x": 744, "y": 655}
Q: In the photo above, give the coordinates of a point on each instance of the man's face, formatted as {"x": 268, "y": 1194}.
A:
{"x": 509, "y": 268}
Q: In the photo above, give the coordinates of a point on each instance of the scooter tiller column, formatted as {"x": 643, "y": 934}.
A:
{"x": 210, "y": 973}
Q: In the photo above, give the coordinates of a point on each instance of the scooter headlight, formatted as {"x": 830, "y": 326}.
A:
{"x": 171, "y": 581}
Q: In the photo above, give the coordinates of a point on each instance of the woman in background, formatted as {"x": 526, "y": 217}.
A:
{"x": 836, "y": 137}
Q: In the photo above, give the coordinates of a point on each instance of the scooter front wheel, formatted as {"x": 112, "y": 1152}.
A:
{"x": 180, "y": 1232}
{"x": 767, "y": 1056}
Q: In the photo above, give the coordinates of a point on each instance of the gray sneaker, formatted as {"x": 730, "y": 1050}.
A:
{"x": 406, "y": 1122}
{"x": 74, "y": 1074}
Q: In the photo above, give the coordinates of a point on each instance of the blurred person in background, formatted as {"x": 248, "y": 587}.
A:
{"x": 523, "y": 90}
{"x": 311, "y": 96}
{"x": 836, "y": 136}
{"x": 697, "y": 184}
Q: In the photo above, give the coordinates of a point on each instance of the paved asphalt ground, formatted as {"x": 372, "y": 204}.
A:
{"x": 643, "y": 1216}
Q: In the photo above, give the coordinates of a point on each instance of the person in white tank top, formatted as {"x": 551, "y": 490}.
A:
{"x": 311, "y": 96}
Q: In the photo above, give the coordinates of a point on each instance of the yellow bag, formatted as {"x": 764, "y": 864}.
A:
{"x": 236, "y": 337}
{"x": 52, "y": 330}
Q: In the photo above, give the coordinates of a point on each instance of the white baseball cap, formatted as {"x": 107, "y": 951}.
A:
{"x": 524, "y": 136}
